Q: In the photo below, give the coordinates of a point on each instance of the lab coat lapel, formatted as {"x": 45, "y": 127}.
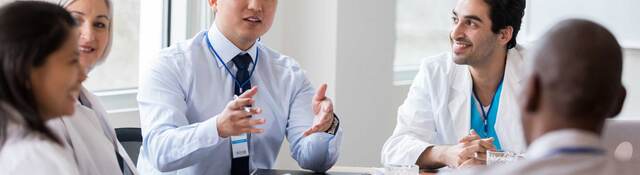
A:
{"x": 459, "y": 104}
{"x": 99, "y": 110}
{"x": 508, "y": 124}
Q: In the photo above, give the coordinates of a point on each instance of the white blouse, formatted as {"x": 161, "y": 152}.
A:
{"x": 29, "y": 152}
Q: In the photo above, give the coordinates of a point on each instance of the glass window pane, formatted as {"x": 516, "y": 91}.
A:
{"x": 422, "y": 28}
{"x": 120, "y": 70}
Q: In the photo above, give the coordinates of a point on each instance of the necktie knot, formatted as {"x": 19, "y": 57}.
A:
{"x": 242, "y": 61}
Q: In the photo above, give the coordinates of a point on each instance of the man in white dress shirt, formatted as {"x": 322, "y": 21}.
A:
{"x": 575, "y": 85}
{"x": 222, "y": 102}
{"x": 472, "y": 88}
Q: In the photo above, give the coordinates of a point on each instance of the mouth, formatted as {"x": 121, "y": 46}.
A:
{"x": 253, "y": 19}
{"x": 459, "y": 47}
{"x": 86, "y": 49}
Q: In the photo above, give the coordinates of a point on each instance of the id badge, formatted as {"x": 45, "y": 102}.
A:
{"x": 240, "y": 146}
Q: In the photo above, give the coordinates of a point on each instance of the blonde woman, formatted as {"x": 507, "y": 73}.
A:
{"x": 87, "y": 134}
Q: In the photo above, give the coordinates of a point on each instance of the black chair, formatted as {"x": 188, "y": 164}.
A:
{"x": 131, "y": 140}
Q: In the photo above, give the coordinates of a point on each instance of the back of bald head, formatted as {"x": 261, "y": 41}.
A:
{"x": 579, "y": 64}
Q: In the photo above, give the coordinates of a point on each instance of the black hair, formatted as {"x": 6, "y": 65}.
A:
{"x": 30, "y": 32}
{"x": 505, "y": 13}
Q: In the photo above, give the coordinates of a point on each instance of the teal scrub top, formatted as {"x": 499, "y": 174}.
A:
{"x": 485, "y": 128}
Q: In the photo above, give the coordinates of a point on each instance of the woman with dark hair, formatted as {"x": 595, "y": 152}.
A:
{"x": 40, "y": 80}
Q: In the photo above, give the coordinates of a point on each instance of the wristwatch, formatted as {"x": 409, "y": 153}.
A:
{"x": 334, "y": 125}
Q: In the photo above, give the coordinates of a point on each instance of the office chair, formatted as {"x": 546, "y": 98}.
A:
{"x": 131, "y": 140}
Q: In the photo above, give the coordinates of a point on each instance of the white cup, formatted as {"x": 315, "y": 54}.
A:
{"x": 501, "y": 157}
{"x": 394, "y": 169}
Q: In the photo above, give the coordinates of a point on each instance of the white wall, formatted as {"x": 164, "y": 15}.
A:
{"x": 350, "y": 45}
{"x": 306, "y": 30}
{"x": 631, "y": 80}
{"x": 366, "y": 42}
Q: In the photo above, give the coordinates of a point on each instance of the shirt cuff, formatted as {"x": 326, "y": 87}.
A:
{"x": 208, "y": 131}
{"x": 322, "y": 137}
{"x": 414, "y": 151}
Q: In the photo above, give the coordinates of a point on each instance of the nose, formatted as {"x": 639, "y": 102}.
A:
{"x": 86, "y": 32}
{"x": 255, "y": 5}
{"x": 457, "y": 32}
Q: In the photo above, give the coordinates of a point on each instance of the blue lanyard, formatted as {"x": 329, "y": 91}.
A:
{"x": 206, "y": 36}
{"x": 485, "y": 114}
{"x": 576, "y": 150}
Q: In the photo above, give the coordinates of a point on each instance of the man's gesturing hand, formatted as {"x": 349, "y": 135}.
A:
{"x": 235, "y": 119}
{"x": 323, "y": 111}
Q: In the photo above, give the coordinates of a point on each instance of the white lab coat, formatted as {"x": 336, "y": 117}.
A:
{"x": 26, "y": 152}
{"x": 542, "y": 159}
{"x": 437, "y": 109}
{"x": 89, "y": 138}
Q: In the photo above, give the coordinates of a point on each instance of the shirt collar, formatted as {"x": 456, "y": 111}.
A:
{"x": 548, "y": 143}
{"x": 225, "y": 48}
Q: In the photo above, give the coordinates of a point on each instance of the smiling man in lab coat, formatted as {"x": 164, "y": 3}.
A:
{"x": 472, "y": 88}
{"x": 574, "y": 86}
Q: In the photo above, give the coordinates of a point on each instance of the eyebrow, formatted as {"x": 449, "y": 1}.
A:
{"x": 104, "y": 16}
{"x": 472, "y": 17}
{"x": 99, "y": 16}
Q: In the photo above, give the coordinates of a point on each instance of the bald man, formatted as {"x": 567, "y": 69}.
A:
{"x": 574, "y": 86}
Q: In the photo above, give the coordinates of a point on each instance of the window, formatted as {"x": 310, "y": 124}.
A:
{"x": 142, "y": 29}
{"x": 120, "y": 69}
{"x": 422, "y": 28}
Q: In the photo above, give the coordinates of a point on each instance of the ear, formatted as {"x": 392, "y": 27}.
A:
{"x": 214, "y": 5}
{"x": 505, "y": 35}
{"x": 531, "y": 95}
{"x": 619, "y": 102}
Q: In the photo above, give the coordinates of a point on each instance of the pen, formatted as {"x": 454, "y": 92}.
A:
{"x": 246, "y": 108}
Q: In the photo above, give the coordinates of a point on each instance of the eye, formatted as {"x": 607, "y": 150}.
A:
{"x": 100, "y": 25}
{"x": 454, "y": 20}
{"x": 78, "y": 20}
{"x": 471, "y": 23}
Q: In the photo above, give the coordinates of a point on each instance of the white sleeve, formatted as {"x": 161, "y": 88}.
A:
{"x": 415, "y": 128}
{"x": 317, "y": 152}
{"x": 165, "y": 128}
